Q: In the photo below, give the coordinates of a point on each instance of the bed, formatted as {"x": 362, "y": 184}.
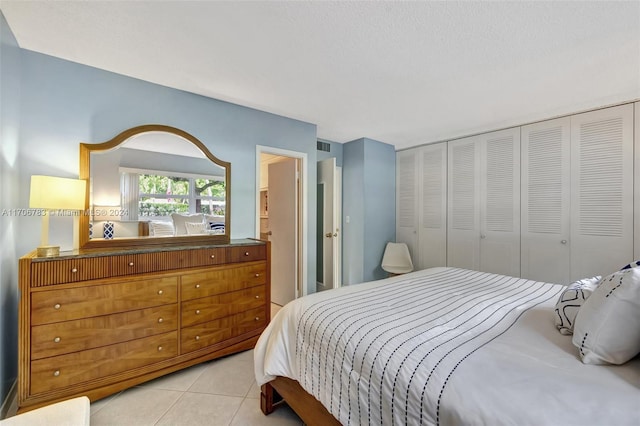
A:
{"x": 442, "y": 346}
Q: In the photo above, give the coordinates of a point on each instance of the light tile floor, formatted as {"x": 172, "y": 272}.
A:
{"x": 218, "y": 392}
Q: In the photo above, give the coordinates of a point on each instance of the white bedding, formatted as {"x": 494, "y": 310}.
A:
{"x": 444, "y": 346}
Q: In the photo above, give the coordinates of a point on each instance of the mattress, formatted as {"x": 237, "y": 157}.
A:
{"x": 443, "y": 346}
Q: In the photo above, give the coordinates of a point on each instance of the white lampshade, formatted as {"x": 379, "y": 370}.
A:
{"x": 52, "y": 193}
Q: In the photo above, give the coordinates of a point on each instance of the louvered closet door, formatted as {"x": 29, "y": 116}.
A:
{"x": 432, "y": 235}
{"x": 407, "y": 199}
{"x": 545, "y": 196}
{"x": 500, "y": 202}
{"x": 601, "y": 191}
{"x": 463, "y": 221}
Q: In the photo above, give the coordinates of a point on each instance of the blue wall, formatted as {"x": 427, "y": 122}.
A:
{"x": 9, "y": 196}
{"x": 64, "y": 103}
{"x": 380, "y": 205}
{"x": 369, "y": 216}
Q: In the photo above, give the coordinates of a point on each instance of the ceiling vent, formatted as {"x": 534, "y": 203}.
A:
{"x": 324, "y": 146}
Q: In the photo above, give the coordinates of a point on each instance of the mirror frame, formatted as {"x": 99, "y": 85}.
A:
{"x": 191, "y": 240}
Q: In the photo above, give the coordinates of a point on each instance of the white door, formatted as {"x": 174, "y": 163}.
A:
{"x": 463, "y": 215}
{"x": 545, "y": 192}
{"x": 407, "y": 200}
{"x": 283, "y": 195}
{"x": 499, "y": 176}
{"x": 432, "y": 235}
{"x": 601, "y": 191}
{"x": 330, "y": 232}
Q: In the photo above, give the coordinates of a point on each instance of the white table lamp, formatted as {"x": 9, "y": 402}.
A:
{"x": 53, "y": 193}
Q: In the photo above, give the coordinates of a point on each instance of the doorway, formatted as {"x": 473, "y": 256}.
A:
{"x": 281, "y": 205}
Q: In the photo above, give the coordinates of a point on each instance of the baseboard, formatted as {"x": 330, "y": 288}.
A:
{"x": 10, "y": 404}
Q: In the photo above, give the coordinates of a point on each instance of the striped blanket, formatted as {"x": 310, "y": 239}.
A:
{"x": 386, "y": 352}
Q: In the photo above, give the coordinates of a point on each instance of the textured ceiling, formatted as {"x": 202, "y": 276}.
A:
{"x": 405, "y": 73}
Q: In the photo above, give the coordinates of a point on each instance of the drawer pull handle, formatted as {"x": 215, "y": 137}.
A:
{"x": 56, "y": 373}
{"x": 160, "y": 320}
{"x": 74, "y": 270}
{"x": 57, "y": 340}
{"x": 197, "y": 311}
{"x": 57, "y": 306}
{"x": 246, "y": 253}
{"x": 257, "y": 318}
{"x": 257, "y": 275}
{"x": 197, "y": 337}
{"x": 213, "y": 256}
{"x": 160, "y": 292}
{"x": 257, "y": 297}
{"x": 130, "y": 263}
{"x": 197, "y": 285}
{"x": 159, "y": 348}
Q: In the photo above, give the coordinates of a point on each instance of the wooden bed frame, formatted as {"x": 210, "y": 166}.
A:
{"x": 283, "y": 390}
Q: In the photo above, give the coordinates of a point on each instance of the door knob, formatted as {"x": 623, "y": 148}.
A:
{"x": 328, "y": 235}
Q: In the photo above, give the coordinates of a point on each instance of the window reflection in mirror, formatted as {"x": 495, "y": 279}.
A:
{"x": 147, "y": 177}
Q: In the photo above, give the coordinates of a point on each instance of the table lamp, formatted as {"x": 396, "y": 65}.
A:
{"x": 53, "y": 193}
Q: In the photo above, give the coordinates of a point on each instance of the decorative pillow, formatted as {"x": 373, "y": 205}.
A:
{"x": 196, "y": 228}
{"x": 570, "y": 301}
{"x": 631, "y": 265}
{"x": 213, "y": 218}
{"x": 161, "y": 229}
{"x": 607, "y": 328}
{"x": 216, "y": 227}
{"x": 179, "y": 221}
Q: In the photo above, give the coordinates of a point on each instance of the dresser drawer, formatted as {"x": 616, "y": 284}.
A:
{"x": 143, "y": 262}
{"x": 247, "y": 253}
{"x": 213, "y": 307}
{"x": 205, "y": 257}
{"x": 222, "y": 280}
{"x": 79, "y": 335}
{"x": 49, "y": 272}
{"x": 212, "y": 332}
{"x": 78, "y": 367}
{"x": 75, "y": 303}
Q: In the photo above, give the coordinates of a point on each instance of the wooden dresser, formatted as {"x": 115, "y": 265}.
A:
{"x": 97, "y": 323}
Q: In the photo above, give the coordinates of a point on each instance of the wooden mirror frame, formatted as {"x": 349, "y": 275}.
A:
{"x": 132, "y": 242}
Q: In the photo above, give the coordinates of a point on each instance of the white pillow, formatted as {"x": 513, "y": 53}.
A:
{"x": 179, "y": 221}
{"x": 607, "y": 328}
{"x": 161, "y": 229}
{"x": 195, "y": 228}
{"x": 213, "y": 218}
{"x": 570, "y": 301}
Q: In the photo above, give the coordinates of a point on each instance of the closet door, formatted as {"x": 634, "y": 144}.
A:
{"x": 601, "y": 191}
{"x": 407, "y": 199}
{"x": 500, "y": 202}
{"x": 463, "y": 219}
{"x": 545, "y": 195}
{"x": 432, "y": 235}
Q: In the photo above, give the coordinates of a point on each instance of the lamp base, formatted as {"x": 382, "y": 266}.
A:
{"x": 48, "y": 251}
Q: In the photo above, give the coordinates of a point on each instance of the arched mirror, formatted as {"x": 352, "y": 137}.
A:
{"x": 154, "y": 185}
